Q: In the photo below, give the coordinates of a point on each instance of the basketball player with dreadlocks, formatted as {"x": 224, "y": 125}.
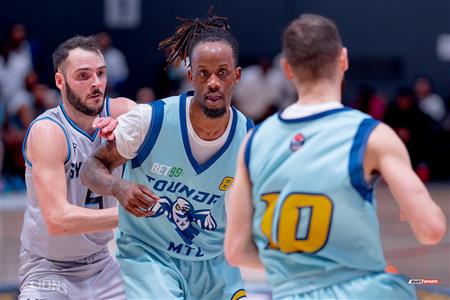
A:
{"x": 183, "y": 149}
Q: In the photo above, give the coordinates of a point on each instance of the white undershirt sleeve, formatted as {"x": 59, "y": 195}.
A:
{"x": 132, "y": 130}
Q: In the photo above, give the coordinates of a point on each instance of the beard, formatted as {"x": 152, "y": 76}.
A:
{"x": 214, "y": 113}
{"x": 77, "y": 103}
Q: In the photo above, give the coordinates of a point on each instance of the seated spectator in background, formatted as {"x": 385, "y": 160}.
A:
{"x": 145, "y": 95}
{"x": 259, "y": 91}
{"x": 414, "y": 128}
{"x": 370, "y": 102}
{"x": 429, "y": 102}
{"x": 21, "y": 109}
{"x": 15, "y": 62}
{"x": 115, "y": 62}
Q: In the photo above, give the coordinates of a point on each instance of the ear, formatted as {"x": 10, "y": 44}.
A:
{"x": 287, "y": 69}
{"x": 189, "y": 75}
{"x": 59, "y": 80}
{"x": 238, "y": 72}
{"x": 343, "y": 60}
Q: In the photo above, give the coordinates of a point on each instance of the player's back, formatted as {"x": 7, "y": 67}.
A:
{"x": 315, "y": 219}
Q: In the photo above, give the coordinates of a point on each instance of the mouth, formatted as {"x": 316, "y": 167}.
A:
{"x": 213, "y": 98}
{"x": 96, "y": 95}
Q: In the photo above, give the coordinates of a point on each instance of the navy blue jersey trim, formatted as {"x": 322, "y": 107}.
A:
{"x": 26, "y": 137}
{"x": 107, "y": 102}
{"x": 356, "y": 161}
{"x": 313, "y": 117}
{"x": 152, "y": 133}
{"x": 247, "y": 152}
{"x": 249, "y": 123}
{"x": 75, "y": 126}
{"x": 187, "y": 147}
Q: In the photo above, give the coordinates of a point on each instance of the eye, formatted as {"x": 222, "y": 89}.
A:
{"x": 204, "y": 74}
{"x": 223, "y": 72}
{"x": 82, "y": 75}
{"x": 177, "y": 207}
{"x": 101, "y": 73}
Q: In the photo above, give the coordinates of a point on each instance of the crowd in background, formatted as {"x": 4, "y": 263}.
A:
{"x": 419, "y": 116}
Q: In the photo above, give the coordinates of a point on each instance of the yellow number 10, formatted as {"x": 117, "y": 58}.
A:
{"x": 320, "y": 211}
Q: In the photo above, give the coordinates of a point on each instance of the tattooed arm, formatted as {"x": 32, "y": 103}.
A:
{"x": 96, "y": 174}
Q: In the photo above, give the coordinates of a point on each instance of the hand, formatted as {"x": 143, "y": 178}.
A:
{"x": 106, "y": 126}
{"x": 137, "y": 199}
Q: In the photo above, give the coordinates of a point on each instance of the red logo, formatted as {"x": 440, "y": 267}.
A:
{"x": 297, "y": 142}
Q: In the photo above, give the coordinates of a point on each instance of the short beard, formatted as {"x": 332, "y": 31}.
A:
{"x": 77, "y": 103}
{"x": 214, "y": 113}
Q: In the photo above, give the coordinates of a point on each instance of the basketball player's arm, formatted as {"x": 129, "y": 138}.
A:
{"x": 240, "y": 249}
{"x": 96, "y": 174}
{"x": 50, "y": 185}
{"x": 387, "y": 154}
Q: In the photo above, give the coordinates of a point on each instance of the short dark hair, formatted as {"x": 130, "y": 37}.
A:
{"x": 87, "y": 43}
{"x": 311, "y": 45}
{"x": 188, "y": 35}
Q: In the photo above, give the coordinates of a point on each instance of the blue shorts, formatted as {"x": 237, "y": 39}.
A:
{"x": 149, "y": 273}
{"x": 377, "y": 286}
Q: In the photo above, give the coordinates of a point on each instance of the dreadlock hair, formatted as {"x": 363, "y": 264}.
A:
{"x": 192, "y": 32}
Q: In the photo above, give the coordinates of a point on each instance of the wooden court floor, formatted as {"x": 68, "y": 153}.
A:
{"x": 401, "y": 249}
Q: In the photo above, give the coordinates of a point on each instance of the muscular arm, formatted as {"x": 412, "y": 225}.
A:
{"x": 240, "y": 249}
{"x": 387, "y": 154}
{"x": 96, "y": 174}
{"x": 49, "y": 180}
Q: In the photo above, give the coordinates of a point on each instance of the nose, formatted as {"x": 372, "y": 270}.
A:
{"x": 213, "y": 83}
{"x": 95, "y": 81}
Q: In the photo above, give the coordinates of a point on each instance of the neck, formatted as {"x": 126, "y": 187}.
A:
{"x": 82, "y": 120}
{"x": 206, "y": 128}
{"x": 318, "y": 92}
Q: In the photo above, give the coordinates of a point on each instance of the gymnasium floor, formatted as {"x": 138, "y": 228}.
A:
{"x": 401, "y": 249}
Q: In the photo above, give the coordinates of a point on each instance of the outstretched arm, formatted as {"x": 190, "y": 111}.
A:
{"x": 49, "y": 180}
{"x": 240, "y": 249}
{"x": 387, "y": 154}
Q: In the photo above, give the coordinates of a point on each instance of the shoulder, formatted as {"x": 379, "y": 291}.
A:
{"x": 383, "y": 139}
{"x": 47, "y": 138}
{"x": 245, "y": 121}
{"x": 119, "y": 106}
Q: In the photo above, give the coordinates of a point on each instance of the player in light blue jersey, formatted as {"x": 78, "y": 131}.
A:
{"x": 302, "y": 204}
{"x": 182, "y": 152}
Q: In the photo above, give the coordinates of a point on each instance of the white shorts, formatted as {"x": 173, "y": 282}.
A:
{"x": 96, "y": 277}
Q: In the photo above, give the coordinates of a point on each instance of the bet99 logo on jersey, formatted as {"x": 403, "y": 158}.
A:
{"x": 226, "y": 183}
{"x": 165, "y": 170}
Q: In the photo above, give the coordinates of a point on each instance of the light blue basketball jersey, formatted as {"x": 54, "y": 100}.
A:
{"x": 315, "y": 220}
{"x": 189, "y": 222}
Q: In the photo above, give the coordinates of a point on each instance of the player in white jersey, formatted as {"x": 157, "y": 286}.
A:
{"x": 302, "y": 203}
{"x": 66, "y": 226}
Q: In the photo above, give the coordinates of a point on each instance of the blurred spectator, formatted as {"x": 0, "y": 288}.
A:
{"x": 22, "y": 108}
{"x": 429, "y": 102}
{"x": 370, "y": 102}
{"x": 414, "y": 128}
{"x": 115, "y": 62}
{"x": 260, "y": 92}
{"x": 145, "y": 95}
{"x": 15, "y": 63}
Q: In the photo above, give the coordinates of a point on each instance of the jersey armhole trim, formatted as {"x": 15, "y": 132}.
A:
{"x": 356, "y": 161}
{"x": 247, "y": 152}
{"x": 152, "y": 133}
{"x": 27, "y": 162}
